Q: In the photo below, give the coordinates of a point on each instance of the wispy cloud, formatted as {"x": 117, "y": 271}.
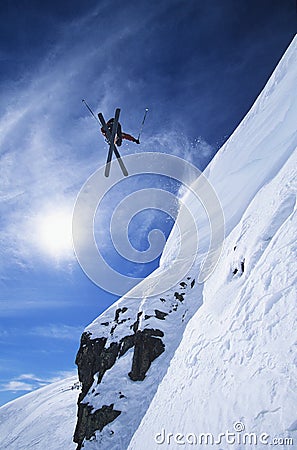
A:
{"x": 16, "y": 305}
{"x": 16, "y": 385}
{"x": 58, "y": 331}
{"x": 49, "y": 144}
{"x": 30, "y": 382}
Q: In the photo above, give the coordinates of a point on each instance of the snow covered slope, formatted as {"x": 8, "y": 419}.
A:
{"x": 43, "y": 419}
{"x": 136, "y": 340}
{"x": 199, "y": 357}
{"x": 236, "y": 367}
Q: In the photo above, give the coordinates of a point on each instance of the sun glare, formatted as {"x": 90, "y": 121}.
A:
{"x": 54, "y": 234}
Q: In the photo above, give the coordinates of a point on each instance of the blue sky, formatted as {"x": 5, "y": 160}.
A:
{"x": 198, "y": 65}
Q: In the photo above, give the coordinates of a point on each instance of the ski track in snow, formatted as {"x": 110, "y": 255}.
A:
{"x": 230, "y": 344}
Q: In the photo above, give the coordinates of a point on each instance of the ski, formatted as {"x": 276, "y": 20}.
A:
{"x": 121, "y": 162}
{"x": 112, "y": 139}
{"x": 111, "y": 143}
{"x": 109, "y": 139}
{"x": 112, "y": 147}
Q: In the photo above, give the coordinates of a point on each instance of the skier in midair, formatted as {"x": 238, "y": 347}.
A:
{"x": 120, "y": 135}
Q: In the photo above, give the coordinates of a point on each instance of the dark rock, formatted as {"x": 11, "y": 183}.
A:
{"x": 183, "y": 284}
{"x": 160, "y": 314}
{"x": 116, "y": 318}
{"x": 236, "y": 270}
{"x": 113, "y": 328}
{"x": 193, "y": 283}
{"x": 123, "y": 321}
{"x": 92, "y": 422}
{"x": 147, "y": 317}
{"x": 179, "y": 296}
{"x": 163, "y": 300}
{"x": 126, "y": 343}
{"x": 242, "y": 265}
{"x": 118, "y": 312}
{"x": 147, "y": 348}
{"x": 105, "y": 324}
{"x": 135, "y": 325}
{"x": 184, "y": 315}
{"x": 153, "y": 332}
{"x": 107, "y": 359}
{"x": 88, "y": 360}
{"x": 93, "y": 358}
{"x": 82, "y": 419}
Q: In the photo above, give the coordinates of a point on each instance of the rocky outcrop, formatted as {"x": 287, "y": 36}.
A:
{"x": 89, "y": 421}
{"x": 87, "y": 360}
{"x": 147, "y": 347}
{"x": 119, "y": 330}
{"x": 94, "y": 359}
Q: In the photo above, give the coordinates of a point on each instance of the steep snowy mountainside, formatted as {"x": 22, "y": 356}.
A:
{"x": 197, "y": 357}
{"x": 237, "y": 363}
{"x": 136, "y": 339}
{"x": 124, "y": 354}
{"x": 256, "y": 151}
{"x": 237, "y": 360}
{"x": 43, "y": 419}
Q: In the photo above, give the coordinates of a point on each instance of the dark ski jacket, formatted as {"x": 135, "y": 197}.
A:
{"x": 120, "y": 135}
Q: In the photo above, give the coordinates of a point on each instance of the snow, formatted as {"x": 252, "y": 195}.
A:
{"x": 256, "y": 150}
{"x": 237, "y": 359}
{"x": 132, "y": 398}
{"x": 230, "y": 344}
{"x": 43, "y": 419}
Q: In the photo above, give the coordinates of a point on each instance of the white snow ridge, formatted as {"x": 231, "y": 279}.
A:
{"x": 222, "y": 373}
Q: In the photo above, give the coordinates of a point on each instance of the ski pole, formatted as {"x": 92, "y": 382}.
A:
{"x": 90, "y": 110}
{"x": 143, "y": 120}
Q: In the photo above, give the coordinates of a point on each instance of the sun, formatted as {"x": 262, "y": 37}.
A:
{"x": 54, "y": 233}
